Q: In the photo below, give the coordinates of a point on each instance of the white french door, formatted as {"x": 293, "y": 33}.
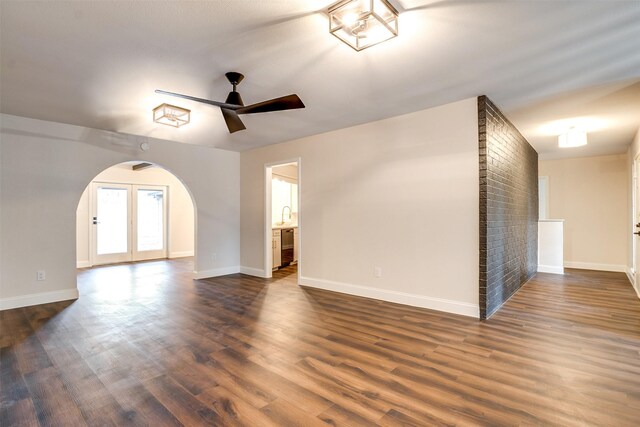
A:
{"x": 149, "y": 229}
{"x": 129, "y": 222}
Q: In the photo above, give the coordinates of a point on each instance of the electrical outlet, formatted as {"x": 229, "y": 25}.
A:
{"x": 41, "y": 275}
{"x": 377, "y": 272}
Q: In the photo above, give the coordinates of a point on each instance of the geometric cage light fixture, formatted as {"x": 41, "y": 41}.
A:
{"x": 171, "y": 115}
{"x": 363, "y": 23}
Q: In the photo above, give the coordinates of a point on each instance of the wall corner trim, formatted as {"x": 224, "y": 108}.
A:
{"x": 632, "y": 278}
{"x": 250, "y": 271}
{"x": 39, "y": 298}
{"x": 630, "y": 275}
{"x": 422, "y": 301}
{"x": 550, "y": 269}
{"x": 215, "y": 272}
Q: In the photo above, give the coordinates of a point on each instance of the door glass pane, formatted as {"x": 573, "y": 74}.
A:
{"x": 150, "y": 220}
{"x": 112, "y": 215}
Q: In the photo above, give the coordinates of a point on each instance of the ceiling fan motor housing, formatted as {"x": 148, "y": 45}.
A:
{"x": 234, "y": 98}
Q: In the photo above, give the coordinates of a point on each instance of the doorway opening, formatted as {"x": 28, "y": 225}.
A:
{"x": 131, "y": 212}
{"x": 283, "y": 224}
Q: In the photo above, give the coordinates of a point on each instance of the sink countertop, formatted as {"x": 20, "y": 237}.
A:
{"x": 280, "y": 227}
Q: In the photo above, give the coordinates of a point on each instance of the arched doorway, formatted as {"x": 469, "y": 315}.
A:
{"x": 134, "y": 211}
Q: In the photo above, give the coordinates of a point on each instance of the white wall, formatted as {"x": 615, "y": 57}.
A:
{"x": 400, "y": 194}
{"x": 590, "y": 194}
{"x": 45, "y": 167}
{"x": 180, "y": 240}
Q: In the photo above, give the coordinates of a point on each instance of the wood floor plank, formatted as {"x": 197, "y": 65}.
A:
{"x": 18, "y": 413}
{"x": 337, "y": 415}
{"x": 51, "y": 400}
{"x": 138, "y": 405}
{"x": 327, "y": 388}
{"x": 147, "y": 345}
{"x": 233, "y": 410}
{"x": 306, "y": 400}
{"x": 94, "y": 401}
{"x": 284, "y": 413}
{"x": 183, "y": 405}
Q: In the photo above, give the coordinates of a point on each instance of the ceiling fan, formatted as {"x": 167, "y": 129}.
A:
{"x": 234, "y": 106}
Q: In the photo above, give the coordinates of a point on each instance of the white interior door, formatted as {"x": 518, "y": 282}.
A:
{"x": 129, "y": 223}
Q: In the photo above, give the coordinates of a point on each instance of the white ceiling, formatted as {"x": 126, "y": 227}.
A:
{"x": 97, "y": 64}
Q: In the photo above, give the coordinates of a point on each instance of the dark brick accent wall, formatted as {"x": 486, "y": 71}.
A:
{"x": 508, "y": 208}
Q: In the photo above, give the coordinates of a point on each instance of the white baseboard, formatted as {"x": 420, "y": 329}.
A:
{"x": 550, "y": 269}
{"x": 440, "y": 304}
{"x": 37, "y": 299}
{"x": 594, "y": 266}
{"x": 257, "y": 272}
{"x": 179, "y": 254}
{"x": 83, "y": 264}
{"x": 204, "y": 274}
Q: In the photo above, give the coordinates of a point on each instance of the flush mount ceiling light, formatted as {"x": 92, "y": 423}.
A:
{"x": 171, "y": 115}
{"x": 572, "y": 138}
{"x": 363, "y": 23}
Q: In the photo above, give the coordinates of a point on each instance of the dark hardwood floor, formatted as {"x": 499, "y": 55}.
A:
{"x": 146, "y": 345}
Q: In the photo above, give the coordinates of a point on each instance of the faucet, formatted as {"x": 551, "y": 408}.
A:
{"x": 285, "y": 207}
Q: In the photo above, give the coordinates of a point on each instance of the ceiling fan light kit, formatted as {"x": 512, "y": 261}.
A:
{"x": 363, "y": 23}
{"x": 171, "y": 115}
{"x": 572, "y": 138}
{"x": 233, "y": 105}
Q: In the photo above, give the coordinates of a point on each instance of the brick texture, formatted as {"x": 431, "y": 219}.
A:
{"x": 508, "y": 208}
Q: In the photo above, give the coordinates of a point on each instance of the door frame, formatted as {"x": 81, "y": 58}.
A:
{"x": 268, "y": 221}
{"x": 635, "y": 218}
{"x": 130, "y": 255}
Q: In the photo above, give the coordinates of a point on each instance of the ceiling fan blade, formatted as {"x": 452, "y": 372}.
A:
{"x": 204, "y": 101}
{"x": 289, "y": 102}
{"x": 232, "y": 120}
